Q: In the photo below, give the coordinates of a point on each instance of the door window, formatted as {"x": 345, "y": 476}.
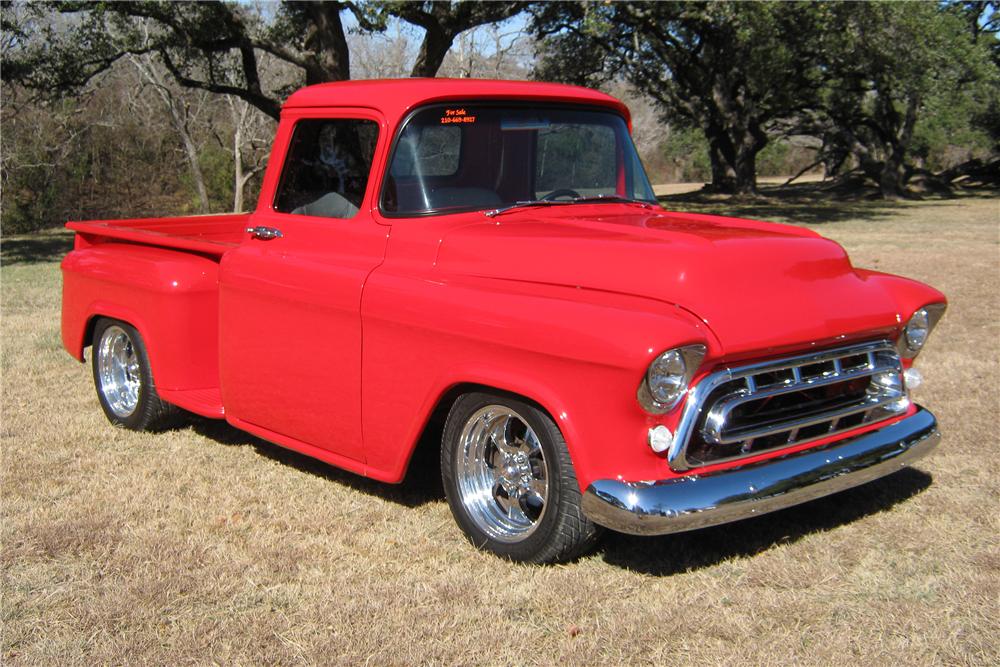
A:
{"x": 326, "y": 171}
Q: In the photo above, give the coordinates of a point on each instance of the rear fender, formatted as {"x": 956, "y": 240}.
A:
{"x": 170, "y": 297}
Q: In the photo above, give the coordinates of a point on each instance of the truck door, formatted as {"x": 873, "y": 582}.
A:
{"x": 290, "y": 295}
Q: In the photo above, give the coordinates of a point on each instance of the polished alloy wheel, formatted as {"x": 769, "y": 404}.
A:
{"x": 118, "y": 371}
{"x": 502, "y": 478}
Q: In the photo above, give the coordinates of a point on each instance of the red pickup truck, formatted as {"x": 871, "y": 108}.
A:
{"x": 486, "y": 261}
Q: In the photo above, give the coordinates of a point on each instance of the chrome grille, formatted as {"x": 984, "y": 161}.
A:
{"x": 740, "y": 412}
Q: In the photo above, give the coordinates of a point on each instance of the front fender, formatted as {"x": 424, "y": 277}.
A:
{"x": 906, "y": 293}
{"x": 580, "y": 354}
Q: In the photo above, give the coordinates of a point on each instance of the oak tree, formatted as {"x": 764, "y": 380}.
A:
{"x": 59, "y": 46}
{"x": 728, "y": 69}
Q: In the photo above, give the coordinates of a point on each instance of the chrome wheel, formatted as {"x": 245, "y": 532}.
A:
{"x": 118, "y": 371}
{"x": 502, "y": 478}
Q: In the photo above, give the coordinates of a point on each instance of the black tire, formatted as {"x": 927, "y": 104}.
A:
{"x": 142, "y": 409}
{"x": 559, "y": 531}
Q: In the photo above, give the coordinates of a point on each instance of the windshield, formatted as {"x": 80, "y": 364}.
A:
{"x": 462, "y": 157}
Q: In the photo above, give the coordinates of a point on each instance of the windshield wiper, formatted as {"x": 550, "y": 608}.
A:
{"x": 613, "y": 199}
{"x": 524, "y": 204}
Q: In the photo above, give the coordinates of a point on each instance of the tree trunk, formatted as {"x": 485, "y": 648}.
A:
{"x": 444, "y": 21}
{"x": 191, "y": 152}
{"x": 326, "y": 39}
{"x": 238, "y": 180}
{"x": 243, "y": 133}
{"x": 749, "y": 143}
{"x": 734, "y": 137}
{"x": 723, "y": 176}
{"x": 745, "y": 170}
{"x": 179, "y": 117}
{"x": 432, "y": 52}
{"x": 893, "y": 177}
{"x": 733, "y": 154}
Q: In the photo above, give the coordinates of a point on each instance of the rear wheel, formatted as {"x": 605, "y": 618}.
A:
{"x": 510, "y": 482}
{"x": 124, "y": 380}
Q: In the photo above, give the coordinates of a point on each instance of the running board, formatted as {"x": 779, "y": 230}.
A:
{"x": 204, "y": 402}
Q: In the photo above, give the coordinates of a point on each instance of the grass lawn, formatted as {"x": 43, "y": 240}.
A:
{"x": 207, "y": 545}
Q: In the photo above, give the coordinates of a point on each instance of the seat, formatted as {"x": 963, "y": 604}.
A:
{"x": 330, "y": 205}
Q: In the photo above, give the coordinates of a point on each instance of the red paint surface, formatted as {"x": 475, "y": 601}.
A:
{"x": 341, "y": 337}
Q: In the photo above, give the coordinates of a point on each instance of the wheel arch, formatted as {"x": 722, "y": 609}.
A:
{"x": 426, "y": 439}
{"x": 107, "y": 311}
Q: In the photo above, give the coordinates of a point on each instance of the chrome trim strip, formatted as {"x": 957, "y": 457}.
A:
{"x": 695, "y": 404}
{"x": 865, "y": 405}
{"x": 798, "y": 384}
{"x": 698, "y": 501}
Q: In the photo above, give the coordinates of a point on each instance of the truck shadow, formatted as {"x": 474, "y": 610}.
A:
{"x": 684, "y": 552}
{"x": 660, "y": 556}
{"x": 422, "y": 484}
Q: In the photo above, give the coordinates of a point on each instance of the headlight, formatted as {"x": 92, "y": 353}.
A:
{"x": 918, "y": 328}
{"x": 667, "y": 378}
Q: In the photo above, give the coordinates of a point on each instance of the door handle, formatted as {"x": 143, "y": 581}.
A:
{"x": 264, "y": 233}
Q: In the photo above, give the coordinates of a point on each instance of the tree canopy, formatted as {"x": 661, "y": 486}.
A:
{"x": 892, "y": 95}
{"x": 726, "y": 68}
{"x": 218, "y": 46}
{"x": 858, "y": 75}
{"x": 885, "y": 65}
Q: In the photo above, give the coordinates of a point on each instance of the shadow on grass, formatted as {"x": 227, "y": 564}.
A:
{"x": 422, "y": 484}
{"x": 660, "y": 556}
{"x": 811, "y": 203}
{"x": 35, "y": 248}
{"x": 682, "y": 552}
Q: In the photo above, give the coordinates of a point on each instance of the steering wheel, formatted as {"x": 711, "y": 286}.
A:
{"x": 561, "y": 192}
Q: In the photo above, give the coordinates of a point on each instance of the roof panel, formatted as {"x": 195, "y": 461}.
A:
{"x": 395, "y": 97}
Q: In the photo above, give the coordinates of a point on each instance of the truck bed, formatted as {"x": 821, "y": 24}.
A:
{"x": 209, "y": 234}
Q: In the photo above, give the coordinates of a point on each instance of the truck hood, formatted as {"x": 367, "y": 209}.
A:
{"x": 757, "y": 286}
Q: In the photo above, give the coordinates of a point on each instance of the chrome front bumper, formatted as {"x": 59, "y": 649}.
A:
{"x": 697, "y": 501}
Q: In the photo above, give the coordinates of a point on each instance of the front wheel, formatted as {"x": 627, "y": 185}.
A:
{"x": 124, "y": 380}
{"x": 510, "y": 481}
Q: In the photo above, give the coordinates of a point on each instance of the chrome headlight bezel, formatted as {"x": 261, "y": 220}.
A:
{"x": 689, "y": 358}
{"x": 914, "y": 334}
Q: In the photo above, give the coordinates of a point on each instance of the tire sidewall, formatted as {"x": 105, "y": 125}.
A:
{"x": 541, "y": 538}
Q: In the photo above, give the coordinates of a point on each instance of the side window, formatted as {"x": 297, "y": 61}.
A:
{"x": 326, "y": 170}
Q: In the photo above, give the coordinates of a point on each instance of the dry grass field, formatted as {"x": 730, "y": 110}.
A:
{"x": 205, "y": 545}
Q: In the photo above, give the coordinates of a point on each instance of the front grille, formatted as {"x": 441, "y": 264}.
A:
{"x": 740, "y": 412}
